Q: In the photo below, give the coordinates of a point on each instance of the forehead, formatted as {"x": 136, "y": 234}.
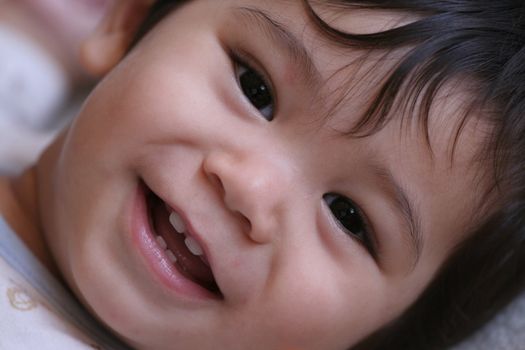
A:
{"x": 346, "y": 80}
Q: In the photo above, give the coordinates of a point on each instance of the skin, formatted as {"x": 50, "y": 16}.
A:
{"x": 171, "y": 113}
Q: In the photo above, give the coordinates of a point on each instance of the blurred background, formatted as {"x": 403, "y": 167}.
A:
{"x": 41, "y": 81}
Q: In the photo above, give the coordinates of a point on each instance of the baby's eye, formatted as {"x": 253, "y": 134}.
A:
{"x": 349, "y": 217}
{"x": 256, "y": 90}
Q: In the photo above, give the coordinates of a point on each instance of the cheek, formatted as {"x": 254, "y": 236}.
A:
{"x": 120, "y": 117}
{"x": 318, "y": 306}
{"x": 152, "y": 103}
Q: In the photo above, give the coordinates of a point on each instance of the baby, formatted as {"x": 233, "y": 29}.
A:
{"x": 282, "y": 175}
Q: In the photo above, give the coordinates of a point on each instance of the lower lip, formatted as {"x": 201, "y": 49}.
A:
{"x": 143, "y": 239}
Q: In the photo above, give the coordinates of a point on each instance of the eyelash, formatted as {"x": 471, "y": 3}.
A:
{"x": 335, "y": 202}
{"x": 242, "y": 61}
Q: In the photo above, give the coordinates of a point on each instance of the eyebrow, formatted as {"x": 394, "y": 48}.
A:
{"x": 407, "y": 211}
{"x": 281, "y": 35}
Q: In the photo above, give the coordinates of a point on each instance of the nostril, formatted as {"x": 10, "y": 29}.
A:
{"x": 217, "y": 183}
{"x": 246, "y": 224}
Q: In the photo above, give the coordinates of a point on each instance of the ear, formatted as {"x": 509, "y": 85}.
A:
{"x": 106, "y": 46}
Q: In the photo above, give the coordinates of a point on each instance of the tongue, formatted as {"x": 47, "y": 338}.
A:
{"x": 188, "y": 264}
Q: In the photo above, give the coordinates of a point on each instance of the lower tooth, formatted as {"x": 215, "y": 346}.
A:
{"x": 171, "y": 256}
{"x": 162, "y": 242}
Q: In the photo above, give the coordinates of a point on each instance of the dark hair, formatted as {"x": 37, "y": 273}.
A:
{"x": 484, "y": 42}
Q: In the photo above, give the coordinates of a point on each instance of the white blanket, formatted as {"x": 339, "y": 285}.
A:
{"x": 505, "y": 332}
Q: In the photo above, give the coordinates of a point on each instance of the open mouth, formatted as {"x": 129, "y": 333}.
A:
{"x": 181, "y": 249}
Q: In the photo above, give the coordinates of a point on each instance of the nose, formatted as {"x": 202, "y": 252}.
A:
{"x": 253, "y": 186}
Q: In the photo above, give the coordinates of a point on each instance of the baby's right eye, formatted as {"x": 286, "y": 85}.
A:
{"x": 256, "y": 89}
{"x": 350, "y": 218}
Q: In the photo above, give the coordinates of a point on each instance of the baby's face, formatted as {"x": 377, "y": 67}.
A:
{"x": 213, "y": 134}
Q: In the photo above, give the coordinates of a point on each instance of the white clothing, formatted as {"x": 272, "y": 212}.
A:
{"x": 37, "y": 312}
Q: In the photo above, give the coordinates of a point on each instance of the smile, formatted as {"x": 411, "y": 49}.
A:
{"x": 173, "y": 251}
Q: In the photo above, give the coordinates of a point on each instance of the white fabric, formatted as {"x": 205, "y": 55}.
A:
{"x": 33, "y": 84}
{"x": 33, "y": 89}
{"x": 37, "y": 311}
{"x": 505, "y": 332}
{"x": 28, "y": 321}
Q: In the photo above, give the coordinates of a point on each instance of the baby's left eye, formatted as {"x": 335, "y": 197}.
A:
{"x": 256, "y": 90}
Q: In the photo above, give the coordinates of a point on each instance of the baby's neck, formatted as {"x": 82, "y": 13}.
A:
{"x": 19, "y": 207}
